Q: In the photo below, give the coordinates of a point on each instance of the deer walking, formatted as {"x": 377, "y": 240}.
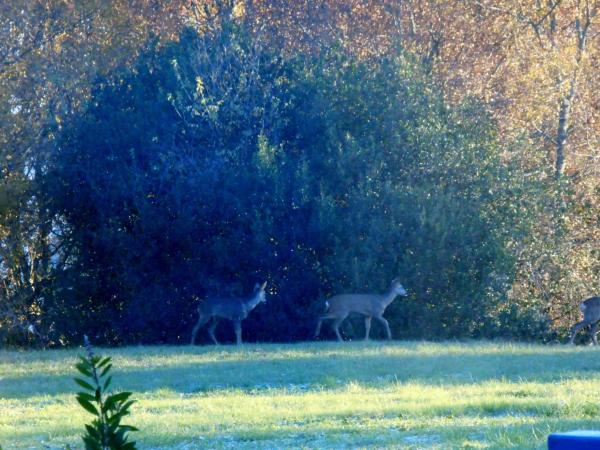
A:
{"x": 591, "y": 315}
{"x": 369, "y": 305}
{"x": 234, "y": 309}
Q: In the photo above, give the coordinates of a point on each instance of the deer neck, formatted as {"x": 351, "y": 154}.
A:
{"x": 252, "y": 302}
{"x": 388, "y": 298}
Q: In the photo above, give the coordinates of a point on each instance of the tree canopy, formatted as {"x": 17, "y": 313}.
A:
{"x": 321, "y": 146}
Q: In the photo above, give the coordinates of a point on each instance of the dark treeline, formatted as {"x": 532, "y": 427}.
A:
{"x": 215, "y": 161}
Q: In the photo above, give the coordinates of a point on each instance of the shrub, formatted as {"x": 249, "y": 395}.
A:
{"x": 106, "y": 431}
{"x": 215, "y": 164}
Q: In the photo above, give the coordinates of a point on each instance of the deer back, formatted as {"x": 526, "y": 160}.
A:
{"x": 227, "y": 308}
{"x": 591, "y": 309}
{"x": 367, "y": 304}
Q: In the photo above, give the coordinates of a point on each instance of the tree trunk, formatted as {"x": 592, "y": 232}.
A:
{"x": 566, "y": 103}
{"x": 562, "y": 134}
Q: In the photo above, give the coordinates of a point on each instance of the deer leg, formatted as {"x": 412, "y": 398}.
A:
{"x": 593, "y": 331}
{"x": 576, "y": 328}
{"x": 201, "y": 321}
{"x": 336, "y": 327}
{"x": 348, "y": 326}
{"x": 237, "y": 326}
{"x": 211, "y": 330}
{"x": 367, "y": 327}
{"x": 318, "y": 329}
{"x": 386, "y": 325}
{"x": 320, "y": 322}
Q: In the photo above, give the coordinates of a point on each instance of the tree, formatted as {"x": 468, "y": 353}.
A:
{"x": 50, "y": 51}
{"x": 216, "y": 162}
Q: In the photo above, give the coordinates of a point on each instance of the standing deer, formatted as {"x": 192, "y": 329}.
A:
{"x": 591, "y": 315}
{"x": 234, "y": 309}
{"x": 369, "y": 305}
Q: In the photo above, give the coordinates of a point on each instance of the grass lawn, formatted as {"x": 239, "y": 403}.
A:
{"x": 315, "y": 395}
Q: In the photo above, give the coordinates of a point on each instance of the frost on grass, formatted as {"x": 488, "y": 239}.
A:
{"x": 398, "y": 395}
{"x": 421, "y": 439}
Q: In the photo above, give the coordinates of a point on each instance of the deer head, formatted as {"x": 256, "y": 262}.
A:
{"x": 397, "y": 288}
{"x": 259, "y": 290}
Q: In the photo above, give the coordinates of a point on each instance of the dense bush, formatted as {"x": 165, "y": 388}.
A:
{"x": 216, "y": 163}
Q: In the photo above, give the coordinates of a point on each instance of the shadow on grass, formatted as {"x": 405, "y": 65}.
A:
{"x": 314, "y": 371}
{"x": 490, "y": 434}
{"x": 532, "y": 435}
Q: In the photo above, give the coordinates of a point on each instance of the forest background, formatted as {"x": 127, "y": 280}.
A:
{"x": 153, "y": 153}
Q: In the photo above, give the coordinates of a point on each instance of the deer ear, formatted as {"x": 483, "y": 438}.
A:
{"x": 263, "y": 286}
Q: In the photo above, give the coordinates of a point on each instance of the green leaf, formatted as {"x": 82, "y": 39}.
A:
{"x": 86, "y": 396}
{"x": 91, "y": 443}
{"x": 109, "y": 404}
{"x": 113, "y": 424}
{"x": 84, "y": 384}
{"x": 103, "y": 362}
{"x": 92, "y": 432}
{"x": 88, "y": 406}
{"x": 125, "y": 406}
{"x": 83, "y": 368}
{"x": 107, "y": 383}
{"x": 105, "y": 370}
{"x": 121, "y": 396}
{"x": 112, "y": 400}
{"x": 119, "y": 438}
{"x": 115, "y": 419}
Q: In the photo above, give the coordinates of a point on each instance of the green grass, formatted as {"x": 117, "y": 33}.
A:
{"x": 315, "y": 395}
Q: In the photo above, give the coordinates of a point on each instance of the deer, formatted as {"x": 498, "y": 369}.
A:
{"x": 234, "y": 309}
{"x": 368, "y": 305}
{"x": 591, "y": 315}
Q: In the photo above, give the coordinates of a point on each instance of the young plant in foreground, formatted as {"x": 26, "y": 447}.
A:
{"x": 106, "y": 431}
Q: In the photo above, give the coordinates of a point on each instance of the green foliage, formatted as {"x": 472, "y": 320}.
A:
{"x": 217, "y": 162}
{"x": 153, "y": 173}
{"x": 106, "y": 431}
{"x": 410, "y": 187}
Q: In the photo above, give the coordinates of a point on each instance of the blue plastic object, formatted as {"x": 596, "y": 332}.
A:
{"x": 575, "y": 440}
